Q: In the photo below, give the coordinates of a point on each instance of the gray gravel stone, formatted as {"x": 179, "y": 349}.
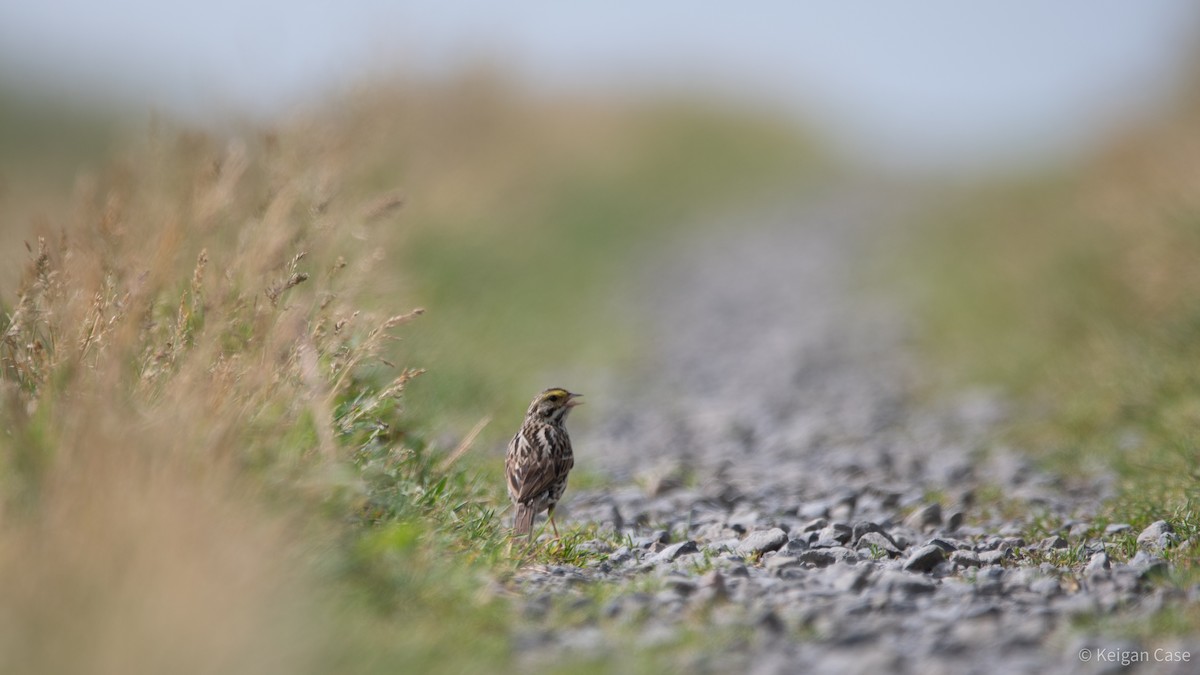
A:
{"x": 761, "y": 541}
{"x": 865, "y": 527}
{"x": 674, "y": 551}
{"x": 906, "y": 583}
{"x": 778, "y": 562}
{"x": 648, "y": 542}
{"x": 713, "y": 589}
{"x": 723, "y": 546}
{"x": 926, "y": 517}
{"x": 738, "y": 570}
{"x": 1147, "y": 564}
{"x": 1051, "y": 543}
{"x": 946, "y": 545}
{"x": 814, "y": 525}
{"x": 965, "y": 559}
{"x": 818, "y": 557}
{"x": 955, "y": 521}
{"x": 1012, "y": 542}
{"x": 794, "y": 546}
{"x": 879, "y": 541}
{"x": 814, "y": 510}
{"x": 853, "y": 578}
{"x": 826, "y": 542}
{"x": 839, "y": 533}
{"x": 681, "y": 585}
{"x": 995, "y": 557}
{"x": 1153, "y": 533}
{"x": 925, "y": 558}
{"x": 1047, "y": 586}
{"x": 620, "y": 556}
{"x": 786, "y": 400}
{"x": 1098, "y": 564}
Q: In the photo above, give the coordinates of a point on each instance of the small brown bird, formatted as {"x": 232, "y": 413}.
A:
{"x": 539, "y": 459}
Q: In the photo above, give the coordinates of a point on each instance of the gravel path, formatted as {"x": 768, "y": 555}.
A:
{"x": 782, "y": 495}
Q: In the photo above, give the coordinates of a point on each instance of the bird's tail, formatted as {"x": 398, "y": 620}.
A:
{"x": 523, "y": 521}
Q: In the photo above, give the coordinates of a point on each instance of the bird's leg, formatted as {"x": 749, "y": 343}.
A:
{"x": 550, "y": 516}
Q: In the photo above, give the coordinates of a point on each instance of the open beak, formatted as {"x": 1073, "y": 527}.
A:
{"x": 573, "y": 400}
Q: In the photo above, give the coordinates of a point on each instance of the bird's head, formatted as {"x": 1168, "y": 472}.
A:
{"x": 553, "y": 405}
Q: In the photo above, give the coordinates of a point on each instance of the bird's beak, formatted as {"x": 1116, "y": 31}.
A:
{"x": 573, "y": 400}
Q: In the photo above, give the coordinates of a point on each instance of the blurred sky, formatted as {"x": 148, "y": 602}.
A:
{"x": 921, "y": 83}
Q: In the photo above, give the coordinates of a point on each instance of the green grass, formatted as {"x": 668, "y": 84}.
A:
{"x": 569, "y": 549}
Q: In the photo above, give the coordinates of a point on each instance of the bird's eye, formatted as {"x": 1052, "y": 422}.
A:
{"x": 553, "y": 397}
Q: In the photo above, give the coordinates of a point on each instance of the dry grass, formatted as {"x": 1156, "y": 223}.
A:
{"x": 137, "y": 565}
{"x": 169, "y": 366}
{"x": 204, "y": 465}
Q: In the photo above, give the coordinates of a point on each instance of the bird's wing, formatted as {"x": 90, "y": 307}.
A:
{"x": 530, "y": 471}
{"x": 514, "y": 471}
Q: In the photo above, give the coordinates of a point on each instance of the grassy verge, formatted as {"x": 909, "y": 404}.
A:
{"x": 1079, "y": 295}
{"x": 215, "y": 453}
